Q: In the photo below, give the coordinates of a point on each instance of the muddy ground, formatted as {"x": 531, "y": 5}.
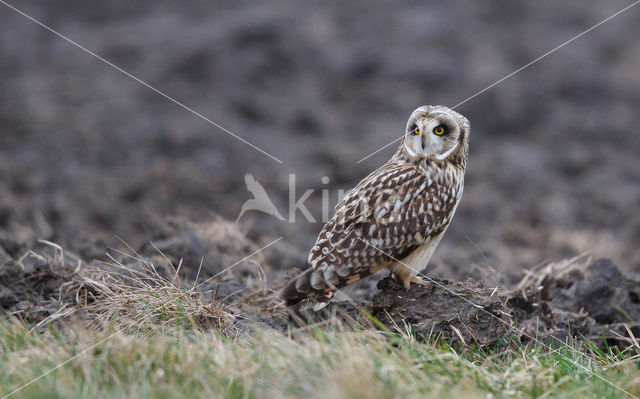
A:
{"x": 91, "y": 160}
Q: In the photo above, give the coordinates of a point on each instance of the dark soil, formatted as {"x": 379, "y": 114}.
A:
{"x": 86, "y": 153}
{"x": 578, "y": 298}
{"x": 39, "y": 287}
{"x": 590, "y": 299}
{"x": 593, "y": 300}
{"x": 95, "y": 162}
{"x": 464, "y": 311}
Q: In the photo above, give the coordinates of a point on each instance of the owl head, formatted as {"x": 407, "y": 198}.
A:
{"x": 436, "y": 132}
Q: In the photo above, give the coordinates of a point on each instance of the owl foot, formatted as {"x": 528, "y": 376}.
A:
{"x": 415, "y": 279}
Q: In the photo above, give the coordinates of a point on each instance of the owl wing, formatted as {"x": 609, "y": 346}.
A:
{"x": 384, "y": 218}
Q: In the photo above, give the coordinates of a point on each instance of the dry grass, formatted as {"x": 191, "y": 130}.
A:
{"x": 142, "y": 299}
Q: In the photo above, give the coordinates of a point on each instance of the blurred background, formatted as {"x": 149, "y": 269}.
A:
{"x": 86, "y": 152}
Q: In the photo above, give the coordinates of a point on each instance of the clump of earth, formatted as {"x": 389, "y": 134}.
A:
{"x": 579, "y": 297}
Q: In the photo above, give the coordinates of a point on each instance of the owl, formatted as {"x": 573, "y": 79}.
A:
{"x": 396, "y": 216}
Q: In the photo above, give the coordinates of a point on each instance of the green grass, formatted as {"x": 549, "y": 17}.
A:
{"x": 154, "y": 338}
{"x": 187, "y": 362}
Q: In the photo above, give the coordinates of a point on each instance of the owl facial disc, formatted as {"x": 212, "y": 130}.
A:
{"x": 434, "y": 132}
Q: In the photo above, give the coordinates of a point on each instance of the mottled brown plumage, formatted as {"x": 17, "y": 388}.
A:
{"x": 395, "y": 217}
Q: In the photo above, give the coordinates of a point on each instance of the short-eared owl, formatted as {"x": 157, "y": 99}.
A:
{"x": 395, "y": 217}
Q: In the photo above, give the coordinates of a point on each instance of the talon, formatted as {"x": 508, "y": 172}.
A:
{"x": 420, "y": 281}
{"x": 406, "y": 281}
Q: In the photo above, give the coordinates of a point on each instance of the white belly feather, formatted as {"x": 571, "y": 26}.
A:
{"x": 417, "y": 260}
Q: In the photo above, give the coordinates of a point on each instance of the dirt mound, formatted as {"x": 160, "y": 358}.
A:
{"x": 594, "y": 299}
{"x": 212, "y": 258}
{"x": 466, "y": 310}
{"x": 600, "y": 289}
{"x": 575, "y": 297}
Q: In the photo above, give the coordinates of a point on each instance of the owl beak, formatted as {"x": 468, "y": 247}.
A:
{"x": 423, "y": 140}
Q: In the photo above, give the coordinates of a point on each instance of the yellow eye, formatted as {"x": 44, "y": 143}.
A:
{"x": 439, "y": 130}
{"x": 416, "y": 130}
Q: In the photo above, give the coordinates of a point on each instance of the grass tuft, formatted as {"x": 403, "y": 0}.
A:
{"x": 141, "y": 299}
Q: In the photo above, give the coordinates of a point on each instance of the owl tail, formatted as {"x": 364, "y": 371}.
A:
{"x": 321, "y": 284}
